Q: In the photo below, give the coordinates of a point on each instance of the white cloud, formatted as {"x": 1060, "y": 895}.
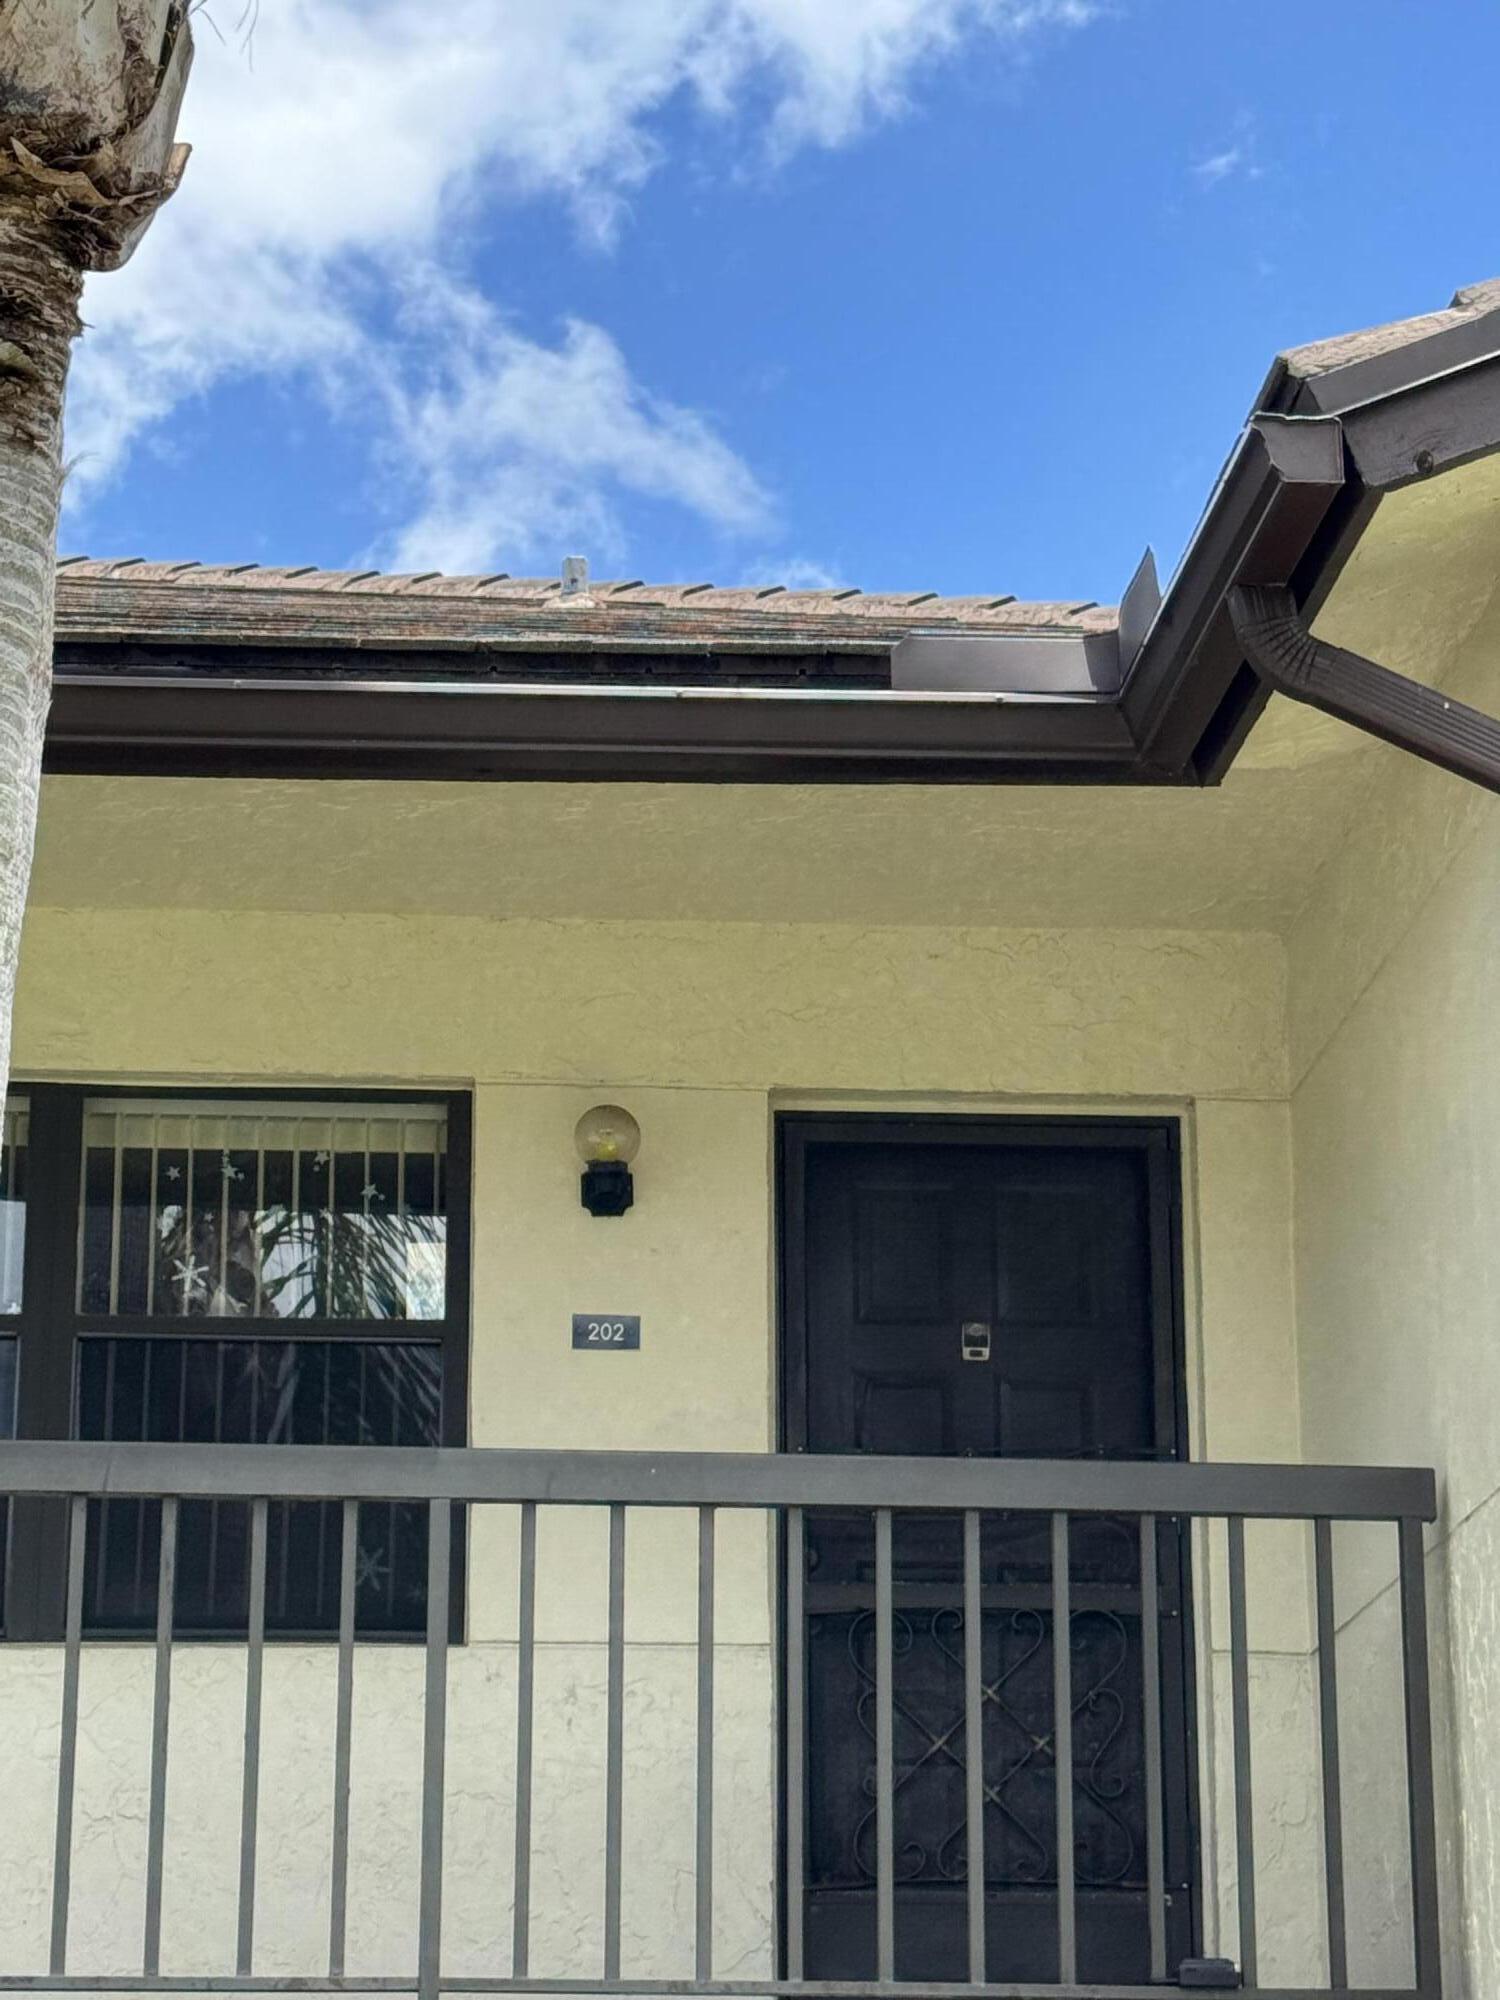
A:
{"x": 793, "y": 573}
{"x": 354, "y": 141}
{"x": 504, "y": 444}
{"x": 1215, "y": 167}
{"x": 1235, "y": 160}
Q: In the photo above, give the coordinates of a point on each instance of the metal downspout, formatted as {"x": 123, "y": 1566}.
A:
{"x": 1423, "y": 720}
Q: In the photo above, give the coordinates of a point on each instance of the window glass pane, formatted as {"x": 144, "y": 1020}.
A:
{"x": 13, "y": 1205}
{"x": 7, "y": 1430}
{"x": 184, "y": 1390}
{"x": 288, "y": 1211}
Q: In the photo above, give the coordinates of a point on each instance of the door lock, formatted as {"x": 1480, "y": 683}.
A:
{"x": 974, "y": 1340}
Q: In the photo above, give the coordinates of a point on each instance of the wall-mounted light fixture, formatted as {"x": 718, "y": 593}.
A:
{"x": 607, "y": 1139}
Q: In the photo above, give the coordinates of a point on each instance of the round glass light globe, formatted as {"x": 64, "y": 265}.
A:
{"x": 606, "y": 1133}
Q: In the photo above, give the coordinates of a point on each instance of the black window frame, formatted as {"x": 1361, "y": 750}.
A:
{"x": 50, "y": 1325}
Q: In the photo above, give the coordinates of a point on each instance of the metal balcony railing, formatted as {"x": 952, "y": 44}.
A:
{"x": 817, "y": 1510}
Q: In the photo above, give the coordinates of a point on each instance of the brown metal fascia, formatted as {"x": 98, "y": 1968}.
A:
{"x": 1376, "y": 378}
{"x": 1312, "y": 579}
{"x": 1411, "y": 409}
{"x": 1426, "y": 426}
{"x": 1428, "y": 723}
{"x": 1187, "y": 687}
{"x": 217, "y": 728}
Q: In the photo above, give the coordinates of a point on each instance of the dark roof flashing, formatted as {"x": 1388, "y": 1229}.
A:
{"x": 945, "y": 663}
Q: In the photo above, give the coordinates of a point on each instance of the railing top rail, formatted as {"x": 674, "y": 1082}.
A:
{"x": 724, "y": 1479}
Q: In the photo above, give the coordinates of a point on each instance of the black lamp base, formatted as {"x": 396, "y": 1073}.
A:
{"x": 607, "y": 1188}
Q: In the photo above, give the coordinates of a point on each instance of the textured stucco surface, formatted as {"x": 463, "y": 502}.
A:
{"x": 787, "y": 1006}
{"x": 1287, "y": 1823}
{"x": 1233, "y": 859}
{"x": 1394, "y": 969}
{"x": 296, "y": 1815}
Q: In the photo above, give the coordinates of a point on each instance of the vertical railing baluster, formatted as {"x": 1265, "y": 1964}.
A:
{"x": 614, "y": 1751}
{"x": 116, "y": 1211}
{"x": 1062, "y": 1745}
{"x": 67, "y": 1749}
{"x": 161, "y": 1708}
{"x": 255, "y": 1643}
{"x": 1421, "y": 1806}
{"x": 343, "y": 1734}
{"x": 885, "y": 1751}
{"x": 260, "y": 1208}
{"x": 796, "y": 1741}
{"x": 434, "y": 1747}
{"x": 704, "y": 1883}
{"x": 974, "y": 1744}
{"x": 525, "y": 1700}
{"x": 1239, "y": 1679}
{"x": 1328, "y": 1737}
{"x": 101, "y": 1540}
{"x": 153, "y": 1238}
{"x": 1156, "y": 1886}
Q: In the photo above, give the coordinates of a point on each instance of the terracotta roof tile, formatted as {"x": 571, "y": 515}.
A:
{"x": 243, "y": 603}
{"x": 1318, "y": 357}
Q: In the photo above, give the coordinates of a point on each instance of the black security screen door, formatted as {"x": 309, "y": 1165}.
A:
{"x": 985, "y": 1289}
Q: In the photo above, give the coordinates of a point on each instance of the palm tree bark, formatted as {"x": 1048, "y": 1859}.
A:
{"x": 38, "y": 317}
{"x": 89, "y": 94}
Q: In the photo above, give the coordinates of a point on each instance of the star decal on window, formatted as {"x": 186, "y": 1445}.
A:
{"x": 188, "y": 1276}
{"x": 370, "y": 1570}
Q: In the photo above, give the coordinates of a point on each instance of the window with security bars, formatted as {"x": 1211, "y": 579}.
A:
{"x": 246, "y": 1271}
{"x": 263, "y": 1211}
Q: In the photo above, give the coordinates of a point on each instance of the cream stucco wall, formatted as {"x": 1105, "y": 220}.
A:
{"x": 1396, "y": 1116}
{"x": 704, "y": 1030}
{"x": 815, "y": 1007}
{"x": 1394, "y": 969}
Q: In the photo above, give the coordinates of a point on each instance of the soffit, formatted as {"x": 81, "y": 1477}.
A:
{"x": 1031, "y": 856}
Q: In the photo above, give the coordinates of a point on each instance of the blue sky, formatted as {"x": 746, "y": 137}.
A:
{"x": 961, "y": 295}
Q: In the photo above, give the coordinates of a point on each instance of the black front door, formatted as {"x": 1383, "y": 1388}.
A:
{"x": 988, "y": 1289}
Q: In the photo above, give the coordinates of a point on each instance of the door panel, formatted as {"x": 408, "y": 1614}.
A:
{"x": 986, "y": 1291}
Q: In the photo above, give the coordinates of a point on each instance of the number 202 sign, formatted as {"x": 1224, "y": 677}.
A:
{"x": 606, "y": 1333}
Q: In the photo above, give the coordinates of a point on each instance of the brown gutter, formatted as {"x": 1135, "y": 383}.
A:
{"x": 1420, "y": 719}
{"x": 181, "y": 726}
{"x": 1188, "y": 699}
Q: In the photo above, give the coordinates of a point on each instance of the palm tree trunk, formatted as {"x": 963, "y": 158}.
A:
{"x": 39, "y": 289}
{"x": 89, "y": 94}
